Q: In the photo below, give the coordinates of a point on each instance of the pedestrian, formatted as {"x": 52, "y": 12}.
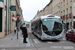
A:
{"x": 24, "y": 31}
{"x": 15, "y": 29}
{"x": 21, "y": 27}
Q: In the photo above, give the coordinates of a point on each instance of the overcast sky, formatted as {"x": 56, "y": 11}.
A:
{"x": 30, "y": 7}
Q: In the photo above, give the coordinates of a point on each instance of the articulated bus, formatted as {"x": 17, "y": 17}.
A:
{"x": 48, "y": 27}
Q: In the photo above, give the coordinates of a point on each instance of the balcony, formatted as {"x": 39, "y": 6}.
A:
{"x": 63, "y": 16}
{"x": 67, "y": 16}
{"x": 70, "y": 15}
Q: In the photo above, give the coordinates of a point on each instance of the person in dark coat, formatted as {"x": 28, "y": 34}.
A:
{"x": 21, "y": 27}
{"x": 24, "y": 31}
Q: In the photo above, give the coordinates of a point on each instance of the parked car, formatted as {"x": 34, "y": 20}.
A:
{"x": 70, "y": 35}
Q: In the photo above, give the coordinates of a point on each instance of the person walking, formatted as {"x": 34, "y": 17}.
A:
{"x": 24, "y": 31}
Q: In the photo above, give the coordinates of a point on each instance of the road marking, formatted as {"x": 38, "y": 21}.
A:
{"x": 63, "y": 47}
{"x": 63, "y": 39}
{"x": 36, "y": 41}
{"x": 49, "y": 42}
{"x": 62, "y": 42}
{"x": 28, "y": 44}
{"x": 3, "y": 49}
{"x": 31, "y": 43}
{"x": 55, "y": 46}
{"x": 68, "y": 47}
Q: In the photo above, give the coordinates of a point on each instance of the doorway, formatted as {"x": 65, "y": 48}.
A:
{"x": 0, "y": 19}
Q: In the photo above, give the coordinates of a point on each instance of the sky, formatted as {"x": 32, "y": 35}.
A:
{"x": 30, "y": 7}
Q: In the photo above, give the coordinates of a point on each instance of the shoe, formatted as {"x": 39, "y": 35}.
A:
{"x": 25, "y": 42}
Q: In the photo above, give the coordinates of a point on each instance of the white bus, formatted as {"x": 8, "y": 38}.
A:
{"x": 48, "y": 27}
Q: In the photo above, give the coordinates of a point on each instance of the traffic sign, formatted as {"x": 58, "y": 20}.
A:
{"x": 18, "y": 16}
{"x": 13, "y": 15}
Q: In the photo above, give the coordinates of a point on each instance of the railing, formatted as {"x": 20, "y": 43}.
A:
{"x": 61, "y": 17}
{"x": 66, "y": 15}
{"x": 70, "y": 15}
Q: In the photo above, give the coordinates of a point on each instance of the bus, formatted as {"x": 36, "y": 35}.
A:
{"x": 48, "y": 27}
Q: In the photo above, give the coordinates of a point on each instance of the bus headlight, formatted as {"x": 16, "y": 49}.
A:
{"x": 60, "y": 35}
{"x": 44, "y": 35}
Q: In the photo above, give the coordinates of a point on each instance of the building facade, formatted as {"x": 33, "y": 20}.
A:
{"x": 63, "y": 8}
{"x": 2, "y": 22}
{"x": 8, "y": 11}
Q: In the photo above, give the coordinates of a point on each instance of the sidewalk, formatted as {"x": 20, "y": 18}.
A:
{"x": 11, "y": 41}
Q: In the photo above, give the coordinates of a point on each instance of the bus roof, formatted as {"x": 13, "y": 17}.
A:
{"x": 49, "y": 16}
{"x": 46, "y": 16}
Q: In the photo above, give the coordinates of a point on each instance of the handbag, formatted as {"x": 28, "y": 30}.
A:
{"x": 27, "y": 33}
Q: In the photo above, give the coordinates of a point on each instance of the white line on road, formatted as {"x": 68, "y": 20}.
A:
{"x": 3, "y": 49}
{"x": 63, "y": 39}
{"x": 62, "y": 42}
{"x": 31, "y": 43}
{"x": 62, "y": 47}
{"x": 49, "y": 42}
{"x": 36, "y": 41}
{"x": 68, "y": 47}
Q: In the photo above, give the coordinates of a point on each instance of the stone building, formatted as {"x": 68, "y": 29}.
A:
{"x": 2, "y": 19}
{"x": 8, "y": 11}
{"x": 63, "y": 8}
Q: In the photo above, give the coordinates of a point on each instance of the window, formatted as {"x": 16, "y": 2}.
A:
{"x": 64, "y": 2}
{"x": 27, "y": 25}
{"x": 59, "y": 13}
{"x": 71, "y": 31}
{"x": 61, "y": 4}
{"x": 63, "y": 12}
{"x": 39, "y": 24}
{"x": 71, "y": 9}
{"x": 67, "y": 2}
{"x": 67, "y": 10}
{"x": 70, "y": 0}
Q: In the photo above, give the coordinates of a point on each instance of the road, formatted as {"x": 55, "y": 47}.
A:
{"x": 37, "y": 44}
{"x": 50, "y": 44}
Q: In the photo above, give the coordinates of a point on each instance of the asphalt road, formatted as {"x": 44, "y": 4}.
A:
{"x": 37, "y": 44}
{"x": 51, "y": 44}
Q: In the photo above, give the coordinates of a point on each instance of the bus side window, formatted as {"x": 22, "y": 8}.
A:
{"x": 35, "y": 24}
{"x": 40, "y": 24}
{"x": 32, "y": 26}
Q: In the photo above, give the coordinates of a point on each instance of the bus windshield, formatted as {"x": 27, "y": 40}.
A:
{"x": 52, "y": 24}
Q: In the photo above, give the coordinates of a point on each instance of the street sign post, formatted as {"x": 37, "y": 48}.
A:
{"x": 17, "y": 21}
